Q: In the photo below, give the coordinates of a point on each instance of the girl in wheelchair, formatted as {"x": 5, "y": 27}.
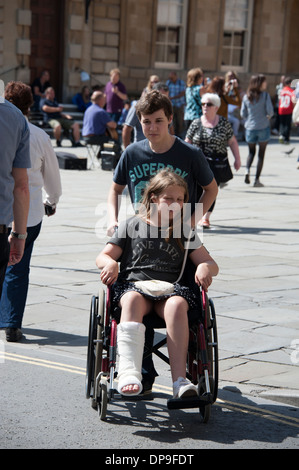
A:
{"x": 151, "y": 245}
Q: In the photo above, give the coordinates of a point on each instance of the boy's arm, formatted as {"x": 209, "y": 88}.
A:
{"x": 207, "y": 198}
{"x": 115, "y": 192}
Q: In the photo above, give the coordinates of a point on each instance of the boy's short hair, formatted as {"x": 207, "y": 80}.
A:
{"x": 152, "y": 102}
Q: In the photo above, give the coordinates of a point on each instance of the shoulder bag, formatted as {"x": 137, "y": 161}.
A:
{"x": 157, "y": 288}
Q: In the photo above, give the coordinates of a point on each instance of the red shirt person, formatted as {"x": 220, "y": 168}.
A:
{"x": 285, "y": 109}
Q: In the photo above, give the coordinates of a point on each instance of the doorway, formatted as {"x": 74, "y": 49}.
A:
{"x": 47, "y": 44}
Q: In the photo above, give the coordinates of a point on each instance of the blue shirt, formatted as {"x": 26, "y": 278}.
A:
{"x": 80, "y": 103}
{"x": 193, "y": 109}
{"x": 14, "y": 153}
{"x": 95, "y": 121}
{"x": 174, "y": 90}
{"x": 51, "y": 104}
{"x": 133, "y": 121}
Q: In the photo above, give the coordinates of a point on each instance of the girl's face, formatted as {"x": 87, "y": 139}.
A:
{"x": 169, "y": 204}
{"x": 155, "y": 126}
{"x": 264, "y": 85}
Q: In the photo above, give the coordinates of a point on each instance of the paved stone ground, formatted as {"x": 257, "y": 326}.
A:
{"x": 255, "y": 240}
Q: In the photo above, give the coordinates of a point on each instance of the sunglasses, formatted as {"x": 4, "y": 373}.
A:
{"x": 207, "y": 104}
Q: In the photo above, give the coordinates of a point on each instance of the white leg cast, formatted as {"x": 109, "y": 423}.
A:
{"x": 130, "y": 344}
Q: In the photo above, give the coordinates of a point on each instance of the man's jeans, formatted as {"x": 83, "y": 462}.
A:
{"x": 4, "y": 256}
{"x": 15, "y": 285}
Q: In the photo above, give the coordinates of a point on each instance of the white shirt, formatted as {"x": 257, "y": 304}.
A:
{"x": 44, "y": 173}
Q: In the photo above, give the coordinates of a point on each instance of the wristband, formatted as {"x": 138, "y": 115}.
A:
{"x": 20, "y": 236}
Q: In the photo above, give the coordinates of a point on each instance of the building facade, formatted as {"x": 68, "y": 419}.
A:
{"x": 146, "y": 37}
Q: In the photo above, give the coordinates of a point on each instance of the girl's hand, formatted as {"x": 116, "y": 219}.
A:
{"x": 109, "y": 273}
{"x": 203, "y": 276}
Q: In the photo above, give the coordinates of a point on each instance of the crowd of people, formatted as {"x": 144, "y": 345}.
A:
{"x": 181, "y": 131}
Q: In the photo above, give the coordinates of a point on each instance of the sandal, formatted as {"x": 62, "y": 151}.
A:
{"x": 205, "y": 223}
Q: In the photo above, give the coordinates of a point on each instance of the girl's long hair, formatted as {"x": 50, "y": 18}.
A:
{"x": 193, "y": 76}
{"x": 254, "y": 87}
{"x": 216, "y": 86}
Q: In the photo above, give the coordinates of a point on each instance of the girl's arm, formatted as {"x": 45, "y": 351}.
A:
{"x": 206, "y": 267}
{"x": 107, "y": 262}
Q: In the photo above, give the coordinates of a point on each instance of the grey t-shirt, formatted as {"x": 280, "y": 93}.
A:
{"x": 14, "y": 138}
{"x": 146, "y": 252}
{"x": 133, "y": 121}
{"x": 139, "y": 163}
{"x": 256, "y": 113}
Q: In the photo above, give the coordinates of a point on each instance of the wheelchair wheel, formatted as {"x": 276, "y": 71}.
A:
{"x": 205, "y": 411}
{"x": 95, "y": 346}
{"x": 103, "y": 399}
{"x": 213, "y": 347}
{"x": 90, "y": 347}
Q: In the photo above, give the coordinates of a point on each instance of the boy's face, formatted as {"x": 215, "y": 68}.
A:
{"x": 155, "y": 126}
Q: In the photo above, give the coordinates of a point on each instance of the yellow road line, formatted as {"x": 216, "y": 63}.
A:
{"x": 43, "y": 363}
{"x": 261, "y": 412}
{"x": 233, "y": 406}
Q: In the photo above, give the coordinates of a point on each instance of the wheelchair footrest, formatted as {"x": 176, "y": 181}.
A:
{"x": 190, "y": 402}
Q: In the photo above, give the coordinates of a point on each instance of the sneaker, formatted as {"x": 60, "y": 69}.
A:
{"x": 78, "y": 144}
{"x": 58, "y": 143}
{"x": 281, "y": 139}
{"x": 183, "y": 388}
{"x": 258, "y": 184}
{"x": 13, "y": 334}
{"x": 247, "y": 179}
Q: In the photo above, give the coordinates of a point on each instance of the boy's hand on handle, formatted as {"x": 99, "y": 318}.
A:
{"x": 111, "y": 229}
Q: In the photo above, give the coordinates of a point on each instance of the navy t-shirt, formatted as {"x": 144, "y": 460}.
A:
{"x": 138, "y": 164}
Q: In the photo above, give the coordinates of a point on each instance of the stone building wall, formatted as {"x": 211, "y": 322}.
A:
{"x": 121, "y": 33}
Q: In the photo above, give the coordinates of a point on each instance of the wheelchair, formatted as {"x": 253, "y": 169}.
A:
{"x": 202, "y": 356}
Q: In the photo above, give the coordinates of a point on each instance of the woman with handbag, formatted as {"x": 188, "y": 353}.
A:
{"x": 213, "y": 133}
{"x": 151, "y": 247}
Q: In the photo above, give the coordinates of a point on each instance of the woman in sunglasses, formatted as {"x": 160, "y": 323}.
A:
{"x": 213, "y": 134}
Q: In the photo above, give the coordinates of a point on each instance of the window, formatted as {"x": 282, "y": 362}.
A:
{"x": 236, "y": 34}
{"x": 171, "y": 33}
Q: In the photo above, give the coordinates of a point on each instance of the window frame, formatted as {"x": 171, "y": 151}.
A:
{"x": 247, "y": 44}
{"x": 181, "y": 44}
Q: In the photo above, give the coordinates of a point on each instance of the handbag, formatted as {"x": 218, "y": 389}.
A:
{"x": 218, "y": 163}
{"x": 157, "y": 288}
{"x": 220, "y": 167}
{"x": 154, "y": 287}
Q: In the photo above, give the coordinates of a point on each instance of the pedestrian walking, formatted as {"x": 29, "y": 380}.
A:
{"x": 256, "y": 110}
